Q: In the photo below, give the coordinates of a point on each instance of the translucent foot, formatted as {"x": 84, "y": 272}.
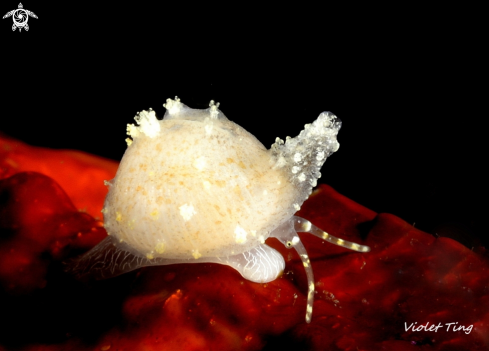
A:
{"x": 110, "y": 258}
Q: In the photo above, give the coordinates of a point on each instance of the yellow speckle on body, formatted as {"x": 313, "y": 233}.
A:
{"x": 149, "y": 256}
{"x": 154, "y": 214}
{"x": 196, "y": 254}
{"x": 237, "y": 191}
{"x": 118, "y": 216}
{"x": 207, "y": 185}
{"x": 160, "y": 248}
{"x": 130, "y": 224}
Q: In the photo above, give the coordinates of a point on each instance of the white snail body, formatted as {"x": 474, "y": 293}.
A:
{"x": 196, "y": 187}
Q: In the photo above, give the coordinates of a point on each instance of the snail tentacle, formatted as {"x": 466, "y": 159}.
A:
{"x": 304, "y": 226}
{"x": 287, "y": 234}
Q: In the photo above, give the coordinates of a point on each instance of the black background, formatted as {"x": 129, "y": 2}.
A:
{"x": 408, "y": 84}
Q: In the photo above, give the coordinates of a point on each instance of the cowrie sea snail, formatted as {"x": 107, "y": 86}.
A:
{"x": 195, "y": 187}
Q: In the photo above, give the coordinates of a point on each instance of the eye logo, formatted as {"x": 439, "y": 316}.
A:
{"x": 20, "y": 17}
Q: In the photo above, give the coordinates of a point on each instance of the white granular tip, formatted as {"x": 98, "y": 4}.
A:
{"x": 187, "y": 211}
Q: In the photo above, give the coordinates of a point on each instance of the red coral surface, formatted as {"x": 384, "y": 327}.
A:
{"x": 48, "y": 201}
